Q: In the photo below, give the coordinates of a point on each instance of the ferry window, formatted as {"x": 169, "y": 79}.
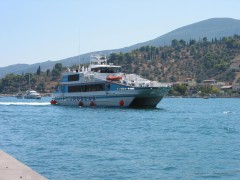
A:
{"x": 86, "y": 88}
{"x": 74, "y": 77}
{"x": 101, "y": 87}
{"x": 107, "y": 69}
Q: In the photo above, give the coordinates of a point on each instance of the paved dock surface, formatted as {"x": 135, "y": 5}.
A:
{"x": 12, "y": 169}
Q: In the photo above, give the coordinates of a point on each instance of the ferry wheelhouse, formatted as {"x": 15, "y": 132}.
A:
{"x": 103, "y": 84}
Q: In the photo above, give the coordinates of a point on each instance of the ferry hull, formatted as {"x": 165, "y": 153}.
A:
{"x": 137, "y": 97}
{"x": 98, "y": 102}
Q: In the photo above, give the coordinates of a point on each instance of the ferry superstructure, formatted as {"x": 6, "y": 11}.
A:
{"x": 104, "y": 85}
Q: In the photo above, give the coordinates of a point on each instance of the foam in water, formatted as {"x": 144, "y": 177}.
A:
{"x": 227, "y": 112}
{"x": 25, "y": 103}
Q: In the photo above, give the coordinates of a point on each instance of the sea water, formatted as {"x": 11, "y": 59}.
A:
{"x": 180, "y": 139}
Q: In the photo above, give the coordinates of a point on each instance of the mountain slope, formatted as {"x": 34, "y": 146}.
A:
{"x": 211, "y": 28}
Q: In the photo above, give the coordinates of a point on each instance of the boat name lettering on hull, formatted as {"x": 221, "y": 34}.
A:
{"x": 77, "y": 99}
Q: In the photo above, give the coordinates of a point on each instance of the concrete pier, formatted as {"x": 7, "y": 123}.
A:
{"x": 12, "y": 169}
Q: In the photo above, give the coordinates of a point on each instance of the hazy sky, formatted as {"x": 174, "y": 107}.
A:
{"x": 34, "y": 31}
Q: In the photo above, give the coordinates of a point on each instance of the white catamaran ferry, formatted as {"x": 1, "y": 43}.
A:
{"x": 103, "y": 84}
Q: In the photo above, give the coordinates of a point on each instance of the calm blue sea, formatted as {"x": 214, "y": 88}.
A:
{"x": 180, "y": 139}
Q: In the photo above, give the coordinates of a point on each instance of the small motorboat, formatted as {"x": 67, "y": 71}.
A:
{"x": 31, "y": 94}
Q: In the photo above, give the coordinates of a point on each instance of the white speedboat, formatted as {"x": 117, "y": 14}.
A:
{"x": 103, "y": 84}
{"x": 31, "y": 94}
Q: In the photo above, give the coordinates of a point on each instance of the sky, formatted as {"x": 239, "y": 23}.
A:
{"x": 33, "y": 31}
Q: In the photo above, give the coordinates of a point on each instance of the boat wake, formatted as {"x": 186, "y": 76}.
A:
{"x": 25, "y": 103}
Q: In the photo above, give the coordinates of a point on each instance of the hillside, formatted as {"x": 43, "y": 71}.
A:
{"x": 211, "y": 28}
{"x": 203, "y": 59}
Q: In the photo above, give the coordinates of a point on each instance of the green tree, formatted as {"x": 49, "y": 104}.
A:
{"x": 142, "y": 49}
{"x": 182, "y": 42}
{"x": 147, "y": 48}
{"x": 41, "y": 87}
{"x": 180, "y": 89}
{"x": 214, "y": 90}
{"x": 55, "y": 73}
{"x": 39, "y": 71}
{"x": 205, "y": 90}
{"x": 58, "y": 66}
{"x": 48, "y": 72}
{"x": 192, "y": 42}
{"x": 175, "y": 43}
{"x": 205, "y": 39}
